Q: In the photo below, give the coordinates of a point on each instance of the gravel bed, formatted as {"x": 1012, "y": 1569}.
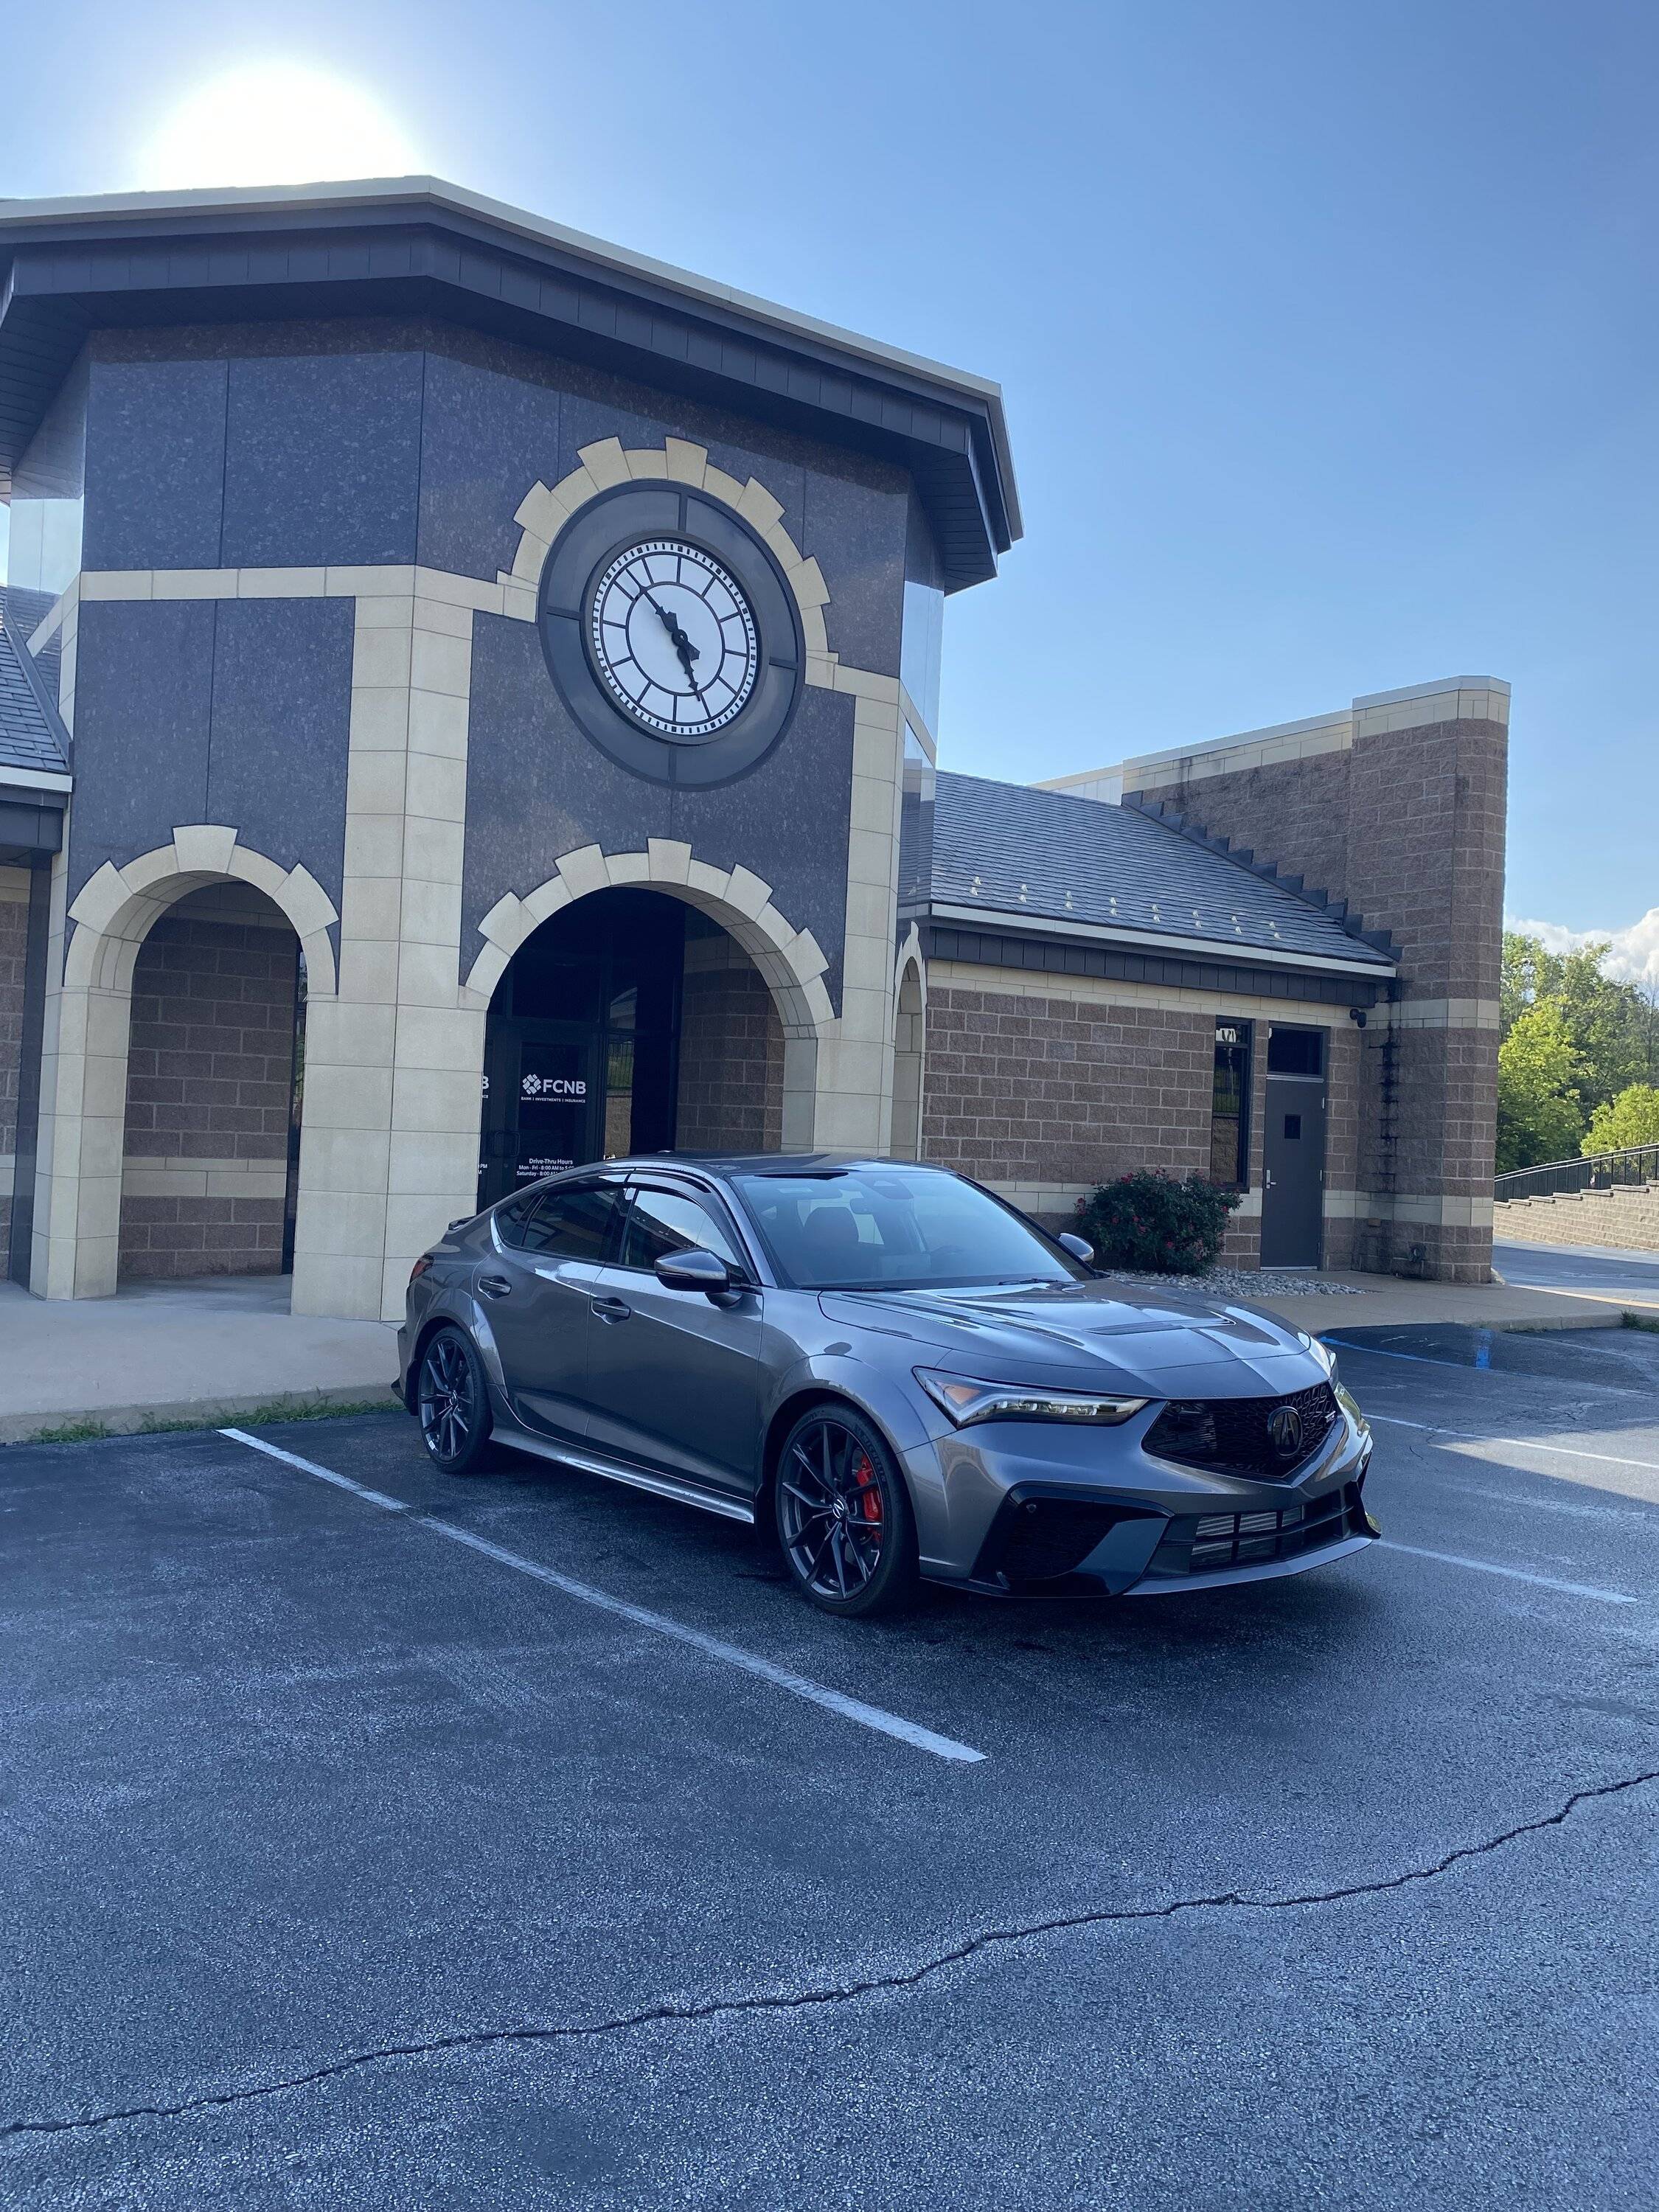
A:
{"x": 1234, "y": 1283}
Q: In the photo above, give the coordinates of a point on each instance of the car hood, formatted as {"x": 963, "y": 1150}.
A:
{"x": 1154, "y": 1343}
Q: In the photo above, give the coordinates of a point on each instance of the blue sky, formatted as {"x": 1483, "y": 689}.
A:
{"x": 1328, "y": 332}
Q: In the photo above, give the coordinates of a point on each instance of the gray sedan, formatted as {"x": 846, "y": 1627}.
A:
{"x": 899, "y": 1373}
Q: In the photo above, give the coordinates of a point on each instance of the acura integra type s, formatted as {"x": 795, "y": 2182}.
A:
{"x": 899, "y": 1374}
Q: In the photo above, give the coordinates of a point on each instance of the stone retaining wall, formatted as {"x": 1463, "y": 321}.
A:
{"x": 1627, "y": 1219}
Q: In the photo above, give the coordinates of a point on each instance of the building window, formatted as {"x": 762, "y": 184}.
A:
{"x": 1230, "y": 1106}
{"x": 1296, "y": 1052}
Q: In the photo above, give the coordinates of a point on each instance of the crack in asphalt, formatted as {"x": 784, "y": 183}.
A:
{"x": 838, "y": 1993}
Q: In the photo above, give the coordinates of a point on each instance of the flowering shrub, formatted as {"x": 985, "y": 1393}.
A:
{"x": 1150, "y": 1222}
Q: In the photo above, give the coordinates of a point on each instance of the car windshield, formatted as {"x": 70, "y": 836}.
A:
{"x": 865, "y": 1229}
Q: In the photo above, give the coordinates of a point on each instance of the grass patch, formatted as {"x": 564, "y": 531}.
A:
{"x": 72, "y": 1432}
{"x": 261, "y": 1416}
{"x": 1645, "y": 1323}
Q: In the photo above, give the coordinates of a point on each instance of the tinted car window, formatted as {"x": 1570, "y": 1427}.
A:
{"x": 661, "y": 1221}
{"x": 510, "y": 1218}
{"x": 872, "y": 1228}
{"x": 572, "y": 1224}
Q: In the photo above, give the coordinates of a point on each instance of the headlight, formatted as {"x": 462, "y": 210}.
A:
{"x": 966, "y": 1401}
{"x": 1321, "y": 1352}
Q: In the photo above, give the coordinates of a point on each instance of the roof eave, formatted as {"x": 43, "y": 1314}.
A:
{"x": 25, "y": 222}
{"x": 1022, "y": 920}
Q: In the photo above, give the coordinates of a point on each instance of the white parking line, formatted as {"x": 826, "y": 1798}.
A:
{"x": 1486, "y": 1566}
{"x": 1517, "y": 1443}
{"x": 323, "y": 1474}
{"x": 731, "y": 1654}
{"x": 1511, "y": 1574}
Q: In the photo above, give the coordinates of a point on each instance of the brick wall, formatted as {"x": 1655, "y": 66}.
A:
{"x": 1405, "y": 822}
{"x": 208, "y": 1079}
{"x": 13, "y": 931}
{"x": 1040, "y": 1090}
{"x": 731, "y": 1079}
{"x": 1051, "y": 1094}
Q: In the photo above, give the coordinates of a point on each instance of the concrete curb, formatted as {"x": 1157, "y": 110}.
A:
{"x": 196, "y": 1412}
{"x": 1524, "y": 1327}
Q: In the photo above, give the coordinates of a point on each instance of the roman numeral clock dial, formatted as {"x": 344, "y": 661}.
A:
{"x": 673, "y": 639}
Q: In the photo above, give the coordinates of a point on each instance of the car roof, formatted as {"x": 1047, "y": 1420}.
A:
{"x": 723, "y": 1167}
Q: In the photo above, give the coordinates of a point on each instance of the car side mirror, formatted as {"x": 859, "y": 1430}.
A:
{"x": 1078, "y": 1247}
{"x": 694, "y": 1270}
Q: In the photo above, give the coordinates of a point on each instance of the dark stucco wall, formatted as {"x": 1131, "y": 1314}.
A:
{"x": 535, "y": 789}
{"x": 305, "y": 445}
{"x": 212, "y": 710}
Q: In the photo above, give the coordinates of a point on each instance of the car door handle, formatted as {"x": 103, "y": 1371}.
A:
{"x": 494, "y": 1286}
{"x": 611, "y": 1309}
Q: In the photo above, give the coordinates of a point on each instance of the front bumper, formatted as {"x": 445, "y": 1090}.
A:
{"x": 1040, "y": 1513}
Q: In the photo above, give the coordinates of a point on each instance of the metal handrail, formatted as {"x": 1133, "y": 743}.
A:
{"x": 1598, "y": 1172}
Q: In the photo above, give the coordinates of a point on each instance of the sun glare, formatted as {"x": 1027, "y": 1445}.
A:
{"x": 275, "y": 123}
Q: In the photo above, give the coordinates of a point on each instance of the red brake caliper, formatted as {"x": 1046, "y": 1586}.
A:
{"x": 869, "y": 1489}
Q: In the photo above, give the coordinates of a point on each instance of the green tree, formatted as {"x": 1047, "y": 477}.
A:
{"x": 1540, "y": 1114}
{"x": 1529, "y": 973}
{"x": 1607, "y": 1024}
{"x": 1633, "y": 1118}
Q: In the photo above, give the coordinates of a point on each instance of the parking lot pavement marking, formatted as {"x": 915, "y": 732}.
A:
{"x": 659, "y": 1624}
{"x": 323, "y": 1474}
{"x": 1511, "y": 1574}
{"x": 1517, "y": 1443}
{"x": 852, "y": 1709}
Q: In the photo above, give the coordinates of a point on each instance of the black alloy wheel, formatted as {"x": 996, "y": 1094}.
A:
{"x": 453, "y": 1402}
{"x": 843, "y": 1514}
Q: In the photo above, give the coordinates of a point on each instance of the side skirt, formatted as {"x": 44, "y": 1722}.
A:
{"x": 659, "y": 1486}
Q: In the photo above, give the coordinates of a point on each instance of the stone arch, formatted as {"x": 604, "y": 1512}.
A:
{"x": 909, "y": 1047}
{"x": 84, "y": 1069}
{"x": 790, "y": 960}
{"x": 543, "y": 511}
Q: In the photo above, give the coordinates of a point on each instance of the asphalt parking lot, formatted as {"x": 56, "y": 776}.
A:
{"x": 525, "y": 1842}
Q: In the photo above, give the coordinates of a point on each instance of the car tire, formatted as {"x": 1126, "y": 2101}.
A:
{"x": 856, "y": 1557}
{"x": 452, "y": 1402}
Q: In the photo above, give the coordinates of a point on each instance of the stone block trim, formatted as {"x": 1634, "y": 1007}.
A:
{"x": 91, "y": 953}
{"x": 543, "y": 511}
{"x": 789, "y": 959}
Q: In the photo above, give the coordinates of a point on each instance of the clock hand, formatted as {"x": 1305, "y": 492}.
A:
{"x": 682, "y": 644}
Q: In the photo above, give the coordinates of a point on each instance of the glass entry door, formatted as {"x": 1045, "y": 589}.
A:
{"x": 582, "y": 1046}
{"x": 542, "y": 1102}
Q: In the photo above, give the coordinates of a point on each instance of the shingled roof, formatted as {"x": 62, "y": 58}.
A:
{"x": 1008, "y": 849}
{"x": 31, "y": 735}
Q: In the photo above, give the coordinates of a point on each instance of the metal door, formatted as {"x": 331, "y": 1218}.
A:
{"x": 674, "y": 1379}
{"x": 536, "y": 1292}
{"x": 1293, "y": 1186}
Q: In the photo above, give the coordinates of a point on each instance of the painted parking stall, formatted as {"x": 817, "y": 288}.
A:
{"x": 401, "y": 1810}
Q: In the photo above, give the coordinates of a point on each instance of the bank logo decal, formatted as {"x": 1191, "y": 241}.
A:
{"x": 553, "y": 1086}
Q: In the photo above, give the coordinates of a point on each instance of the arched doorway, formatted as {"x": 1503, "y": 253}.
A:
{"x": 210, "y": 1134}
{"x": 628, "y": 1022}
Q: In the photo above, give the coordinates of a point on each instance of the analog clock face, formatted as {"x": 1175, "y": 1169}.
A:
{"x": 673, "y": 639}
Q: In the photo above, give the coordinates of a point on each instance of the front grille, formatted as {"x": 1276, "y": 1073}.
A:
{"x": 1236, "y": 1436}
{"x": 1034, "y": 1539}
{"x": 1206, "y": 1543}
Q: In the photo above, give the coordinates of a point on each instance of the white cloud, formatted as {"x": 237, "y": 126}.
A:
{"x": 1633, "y": 956}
